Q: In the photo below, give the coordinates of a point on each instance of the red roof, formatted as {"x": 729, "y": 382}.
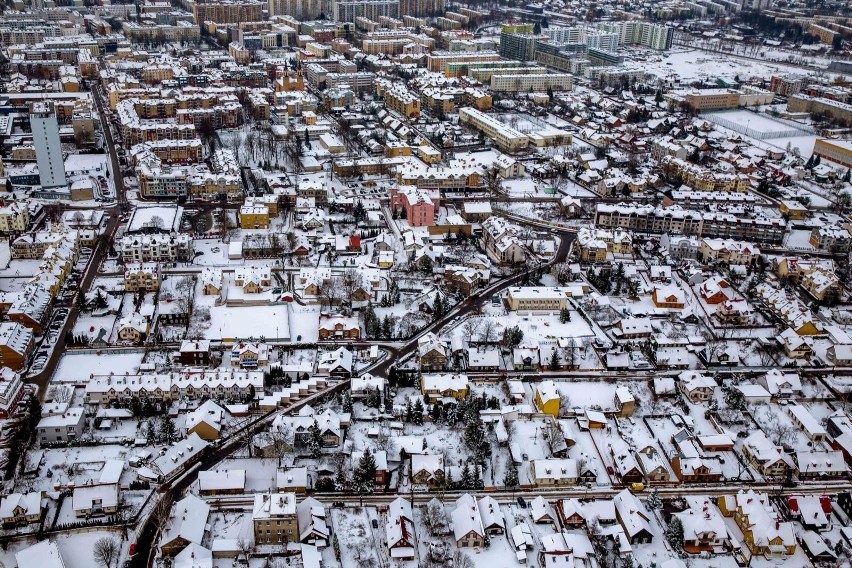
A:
{"x": 355, "y": 241}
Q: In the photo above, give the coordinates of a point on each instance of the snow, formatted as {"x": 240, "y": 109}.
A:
{"x": 75, "y": 366}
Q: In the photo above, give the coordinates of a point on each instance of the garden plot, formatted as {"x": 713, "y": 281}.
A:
{"x": 76, "y": 368}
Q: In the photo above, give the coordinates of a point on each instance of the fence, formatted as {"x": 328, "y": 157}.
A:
{"x": 795, "y": 129}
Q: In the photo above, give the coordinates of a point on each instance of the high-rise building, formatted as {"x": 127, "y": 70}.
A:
{"x": 51, "y": 163}
{"x": 348, "y": 10}
{"x": 422, "y": 8}
{"x": 299, "y": 9}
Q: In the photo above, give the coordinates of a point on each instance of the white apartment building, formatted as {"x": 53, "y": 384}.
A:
{"x": 155, "y": 248}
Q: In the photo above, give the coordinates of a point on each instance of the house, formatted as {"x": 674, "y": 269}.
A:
{"x": 383, "y": 474}
{"x": 211, "y": 282}
{"x": 653, "y": 465}
{"x": 782, "y": 384}
{"x": 541, "y": 511}
{"x": 399, "y": 530}
{"x": 714, "y": 290}
{"x": 206, "y": 420}
{"x": 801, "y": 417}
{"x": 133, "y": 328}
{"x": 329, "y": 423}
{"x": 11, "y": 392}
{"x": 493, "y": 521}
{"x": 224, "y": 482}
{"x": 547, "y": 398}
{"x": 467, "y": 523}
{"x": 427, "y": 469}
{"x": 274, "y": 518}
{"x": 696, "y": 387}
{"x": 671, "y": 297}
{"x": 728, "y": 251}
{"x": 62, "y": 428}
{"x": 313, "y": 527}
{"x": 253, "y": 279}
{"x": 195, "y": 352}
{"x": 337, "y": 363}
{"x": 813, "y": 511}
{"x": 754, "y": 394}
{"x": 446, "y": 386}
{"x": 18, "y": 509}
{"x": 839, "y": 355}
{"x": 633, "y": 517}
{"x": 704, "y": 528}
{"x": 180, "y": 456}
{"x": 624, "y": 401}
{"x": 141, "y": 276}
{"x": 689, "y": 461}
{"x": 795, "y": 346}
{"x": 339, "y": 327}
{"x": 249, "y": 355}
{"x": 522, "y": 540}
{"x": 432, "y": 353}
{"x": 526, "y": 358}
{"x": 768, "y": 459}
{"x": 553, "y": 472}
{"x": 632, "y": 328}
{"x": 292, "y": 479}
{"x": 185, "y": 525}
{"x": 820, "y": 465}
{"x": 16, "y": 344}
{"x": 193, "y": 556}
{"x": 365, "y": 385}
{"x": 764, "y": 533}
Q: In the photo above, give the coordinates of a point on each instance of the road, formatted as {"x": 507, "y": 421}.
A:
{"x": 99, "y": 253}
{"x": 471, "y": 304}
{"x": 117, "y": 176}
{"x": 245, "y": 502}
{"x": 147, "y": 533}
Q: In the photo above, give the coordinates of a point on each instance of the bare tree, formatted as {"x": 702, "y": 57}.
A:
{"x": 462, "y": 560}
{"x": 106, "y": 551}
{"x": 351, "y": 281}
{"x": 245, "y": 547}
{"x": 489, "y": 331}
{"x": 553, "y": 436}
{"x": 331, "y": 292}
{"x": 564, "y": 405}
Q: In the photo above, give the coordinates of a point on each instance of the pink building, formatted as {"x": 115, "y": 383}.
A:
{"x": 419, "y": 206}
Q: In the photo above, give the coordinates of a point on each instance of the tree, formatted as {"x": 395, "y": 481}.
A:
{"x": 387, "y": 327}
{"x": 553, "y": 365}
{"x": 654, "y": 501}
{"x": 100, "y": 302}
{"x": 364, "y": 475}
{"x": 437, "y": 308}
{"x": 564, "y": 315}
{"x": 510, "y": 480}
{"x": 417, "y": 413}
{"x": 674, "y": 534}
{"x": 106, "y": 551}
{"x": 347, "y": 402}
{"x": 315, "y": 440}
{"x": 168, "y": 432}
{"x": 512, "y": 337}
{"x": 360, "y": 212}
{"x": 425, "y": 264}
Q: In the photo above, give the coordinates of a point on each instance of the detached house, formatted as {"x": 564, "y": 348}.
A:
{"x": 17, "y": 509}
{"x": 763, "y": 531}
{"x": 467, "y": 523}
{"x": 399, "y": 530}
{"x": 432, "y": 353}
{"x": 767, "y": 458}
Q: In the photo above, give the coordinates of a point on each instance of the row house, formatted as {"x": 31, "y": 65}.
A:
{"x": 192, "y": 384}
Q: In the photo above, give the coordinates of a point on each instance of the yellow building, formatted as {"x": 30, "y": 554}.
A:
{"x": 254, "y": 217}
{"x": 435, "y": 387}
{"x": 793, "y": 210}
{"x": 839, "y": 151}
{"x": 14, "y": 218}
{"x": 547, "y": 398}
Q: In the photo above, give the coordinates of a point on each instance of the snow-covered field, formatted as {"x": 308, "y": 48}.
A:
{"x": 76, "y": 367}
